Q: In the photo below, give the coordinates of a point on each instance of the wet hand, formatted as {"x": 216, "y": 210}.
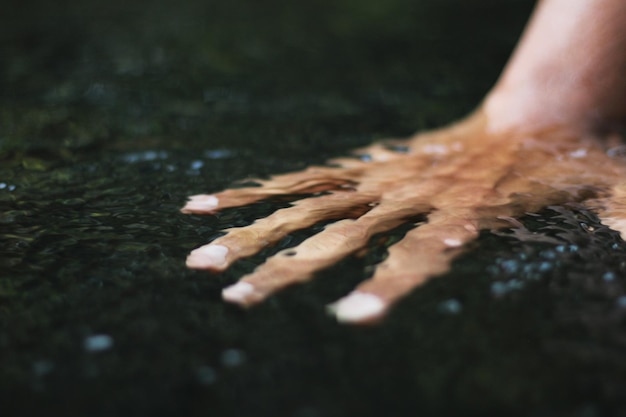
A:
{"x": 455, "y": 181}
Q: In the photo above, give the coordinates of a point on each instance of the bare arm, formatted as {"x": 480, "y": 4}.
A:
{"x": 569, "y": 68}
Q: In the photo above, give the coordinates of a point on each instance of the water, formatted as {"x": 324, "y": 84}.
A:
{"x": 112, "y": 114}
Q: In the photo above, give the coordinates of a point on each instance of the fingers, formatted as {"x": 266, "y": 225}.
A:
{"x": 424, "y": 252}
{"x": 246, "y": 241}
{"x": 298, "y": 264}
{"x": 312, "y": 180}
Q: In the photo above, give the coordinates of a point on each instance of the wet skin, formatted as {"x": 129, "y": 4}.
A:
{"x": 539, "y": 139}
{"x": 461, "y": 180}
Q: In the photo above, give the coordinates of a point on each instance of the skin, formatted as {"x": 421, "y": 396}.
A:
{"x": 546, "y": 134}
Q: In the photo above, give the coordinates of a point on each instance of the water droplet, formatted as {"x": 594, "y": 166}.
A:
{"x": 233, "y": 357}
{"x": 206, "y": 375}
{"x": 608, "y": 276}
{"x": 617, "y": 152}
{"x": 498, "y": 288}
{"x": 510, "y": 266}
{"x": 587, "y": 228}
{"x": 545, "y": 266}
{"x": 98, "y": 343}
{"x": 501, "y": 288}
{"x": 451, "y": 306}
{"x": 42, "y": 368}
{"x": 144, "y": 156}
{"x": 197, "y": 164}
{"x": 219, "y": 154}
{"x": 621, "y": 301}
{"x": 547, "y": 254}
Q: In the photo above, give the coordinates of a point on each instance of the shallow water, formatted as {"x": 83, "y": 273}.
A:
{"x": 110, "y": 115}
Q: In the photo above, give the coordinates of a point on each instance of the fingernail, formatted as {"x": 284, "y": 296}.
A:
{"x": 201, "y": 203}
{"x": 452, "y": 242}
{"x": 237, "y": 293}
{"x": 209, "y": 256}
{"x": 356, "y": 307}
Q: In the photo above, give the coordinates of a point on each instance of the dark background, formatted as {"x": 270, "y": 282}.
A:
{"x": 112, "y": 112}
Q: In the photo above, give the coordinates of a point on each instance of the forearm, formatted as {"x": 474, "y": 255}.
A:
{"x": 569, "y": 68}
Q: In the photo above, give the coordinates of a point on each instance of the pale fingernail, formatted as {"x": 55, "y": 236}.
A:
{"x": 238, "y": 293}
{"x": 201, "y": 202}
{"x": 356, "y": 307}
{"x": 208, "y": 256}
{"x": 452, "y": 242}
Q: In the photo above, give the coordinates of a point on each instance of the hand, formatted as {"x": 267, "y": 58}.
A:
{"x": 460, "y": 180}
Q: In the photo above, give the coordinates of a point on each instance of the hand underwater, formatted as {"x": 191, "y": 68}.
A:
{"x": 539, "y": 139}
{"x": 457, "y": 181}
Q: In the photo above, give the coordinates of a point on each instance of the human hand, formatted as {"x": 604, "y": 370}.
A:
{"x": 460, "y": 179}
